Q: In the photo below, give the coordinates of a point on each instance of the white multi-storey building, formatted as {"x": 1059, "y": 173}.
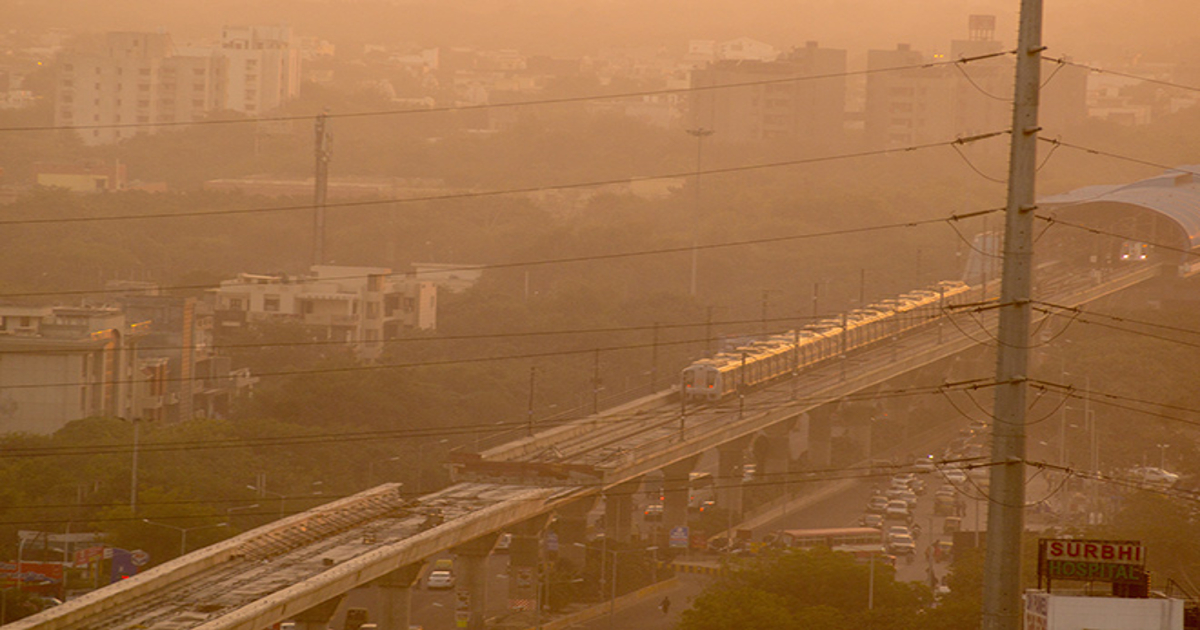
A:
{"x": 59, "y": 364}
{"x": 361, "y": 306}
{"x": 120, "y": 88}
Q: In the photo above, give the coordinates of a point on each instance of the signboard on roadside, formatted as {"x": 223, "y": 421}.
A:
{"x": 1116, "y": 561}
{"x": 679, "y": 537}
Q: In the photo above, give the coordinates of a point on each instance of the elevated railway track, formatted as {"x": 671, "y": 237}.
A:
{"x": 272, "y": 573}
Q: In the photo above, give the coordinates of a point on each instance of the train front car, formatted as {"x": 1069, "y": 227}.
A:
{"x": 709, "y": 380}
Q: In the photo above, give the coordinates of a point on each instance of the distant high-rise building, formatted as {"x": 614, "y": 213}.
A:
{"x": 909, "y": 101}
{"x": 264, "y": 67}
{"x": 120, "y": 88}
{"x": 774, "y": 106}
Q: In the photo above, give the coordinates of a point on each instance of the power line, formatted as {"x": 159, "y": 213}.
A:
{"x": 1117, "y": 156}
{"x": 667, "y": 413}
{"x": 495, "y": 193}
{"x": 1063, "y": 61}
{"x": 589, "y": 258}
{"x": 1114, "y": 400}
{"x": 1053, "y": 220}
{"x": 479, "y": 337}
{"x": 1082, "y": 317}
{"x": 486, "y": 106}
{"x": 720, "y": 483}
{"x": 1119, "y": 318}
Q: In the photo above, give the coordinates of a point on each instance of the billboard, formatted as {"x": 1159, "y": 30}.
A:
{"x": 1115, "y": 561}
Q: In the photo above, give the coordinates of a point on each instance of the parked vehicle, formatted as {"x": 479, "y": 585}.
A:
{"x": 439, "y": 580}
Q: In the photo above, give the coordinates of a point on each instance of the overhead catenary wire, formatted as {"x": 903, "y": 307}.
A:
{"x": 666, "y": 414}
{"x": 513, "y": 104}
{"x": 329, "y": 205}
{"x": 586, "y": 258}
{"x": 1063, "y": 61}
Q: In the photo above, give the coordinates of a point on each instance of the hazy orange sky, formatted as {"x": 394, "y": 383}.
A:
{"x": 1105, "y": 30}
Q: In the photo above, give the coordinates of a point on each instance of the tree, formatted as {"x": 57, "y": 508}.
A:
{"x": 815, "y": 588}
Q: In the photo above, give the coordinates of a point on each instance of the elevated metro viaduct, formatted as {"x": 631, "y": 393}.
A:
{"x": 299, "y": 567}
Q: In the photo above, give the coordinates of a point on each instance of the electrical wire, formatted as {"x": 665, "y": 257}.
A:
{"x": 667, "y": 413}
{"x": 588, "y": 258}
{"x": 515, "y": 104}
{"x": 492, "y": 193}
{"x": 1063, "y": 61}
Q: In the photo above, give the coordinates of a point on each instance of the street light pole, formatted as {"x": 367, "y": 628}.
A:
{"x": 612, "y": 582}
{"x": 699, "y": 133}
{"x": 263, "y": 492}
{"x": 183, "y": 531}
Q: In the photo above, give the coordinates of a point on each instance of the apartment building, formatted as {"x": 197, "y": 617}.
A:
{"x": 116, "y": 89}
{"x": 360, "y": 306}
{"x": 773, "y": 106}
{"x": 60, "y": 363}
{"x": 914, "y": 98}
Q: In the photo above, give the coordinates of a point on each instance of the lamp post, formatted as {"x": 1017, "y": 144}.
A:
{"x": 699, "y": 133}
{"x": 1162, "y": 455}
{"x": 371, "y": 468}
{"x": 263, "y": 492}
{"x": 420, "y": 448}
{"x": 612, "y": 583}
{"x": 183, "y": 532}
{"x": 229, "y": 511}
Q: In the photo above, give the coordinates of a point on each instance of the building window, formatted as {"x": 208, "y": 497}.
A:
{"x": 271, "y": 303}
{"x": 306, "y": 308}
{"x": 235, "y": 304}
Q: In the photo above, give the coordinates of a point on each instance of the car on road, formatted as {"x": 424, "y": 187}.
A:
{"x": 439, "y": 580}
{"x": 897, "y": 509}
{"x": 872, "y": 519}
{"x": 925, "y": 464}
{"x": 877, "y": 504}
{"x": 901, "y": 545}
{"x": 1152, "y": 476}
{"x": 955, "y": 476}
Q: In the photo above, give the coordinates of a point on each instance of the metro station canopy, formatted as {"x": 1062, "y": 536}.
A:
{"x": 1175, "y": 195}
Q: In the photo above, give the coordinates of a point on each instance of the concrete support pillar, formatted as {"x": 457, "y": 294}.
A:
{"x": 820, "y": 436}
{"x": 525, "y": 562}
{"x": 571, "y": 523}
{"x": 317, "y": 617}
{"x": 777, "y": 463}
{"x": 675, "y": 497}
{"x": 471, "y": 590}
{"x": 394, "y": 596}
{"x": 730, "y": 468}
{"x": 618, "y": 510}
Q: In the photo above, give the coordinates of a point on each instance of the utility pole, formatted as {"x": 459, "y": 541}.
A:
{"x": 529, "y": 409}
{"x": 324, "y": 151}
{"x": 699, "y": 133}
{"x": 1002, "y": 563}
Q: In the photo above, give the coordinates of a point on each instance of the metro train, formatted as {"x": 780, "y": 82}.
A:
{"x": 782, "y": 354}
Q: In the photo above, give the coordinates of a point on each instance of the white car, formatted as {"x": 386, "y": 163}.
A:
{"x": 901, "y": 545}
{"x": 955, "y": 476}
{"x": 1152, "y": 476}
{"x": 439, "y": 579}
